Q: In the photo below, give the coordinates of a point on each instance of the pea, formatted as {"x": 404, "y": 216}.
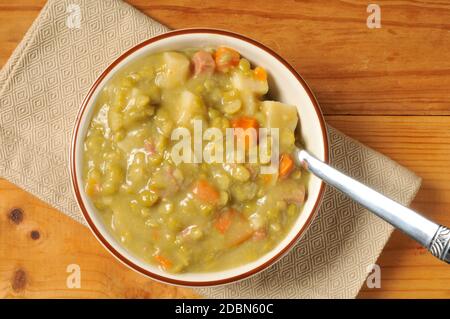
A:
{"x": 213, "y": 113}
{"x": 155, "y": 159}
{"x": 232, "y": 107}
{"x": 148, "y": 198}
{"x": 292, "y": 210}
{"x": 206, "y": 209}
{"x": 166, "y": 207}
{"x": 222, "y": 180}
{"x": 241, "y": 173}
{"x": 209, "y": 84}
{"x": 173, "y": 224}
{"x": 216, "y": 95}
{"x": 229, "y": 96}
{"x": 244, "y": 192}
{"x": 196, "y": 233}
{"x": 100, "y": 204}
{"x": 244, "y": 65}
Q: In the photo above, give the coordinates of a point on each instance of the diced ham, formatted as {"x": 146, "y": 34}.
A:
{"x": 259, "y": 234}
{"x": 295, "y": 195}
{"x": 289, "y": 191}
{"x": 203, "y": 63}
{"x": 149, "y": 147}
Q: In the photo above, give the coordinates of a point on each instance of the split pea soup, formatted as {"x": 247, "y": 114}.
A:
{"x": 190, "y": 217}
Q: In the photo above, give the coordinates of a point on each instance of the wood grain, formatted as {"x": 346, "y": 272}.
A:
{"x": 35, "y": 253}
{"x": 421, "y": 143}
{"x": 351, "y": 69}
{"x": 386, "y": 87}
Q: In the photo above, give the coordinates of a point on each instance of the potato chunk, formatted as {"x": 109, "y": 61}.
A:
{"x": 280, "y": 115}
{"x": 188, "y": 107}
{"x": 249, "y": 88}
{"x": 249, "y": 84}
{"x": 175, "y": 70}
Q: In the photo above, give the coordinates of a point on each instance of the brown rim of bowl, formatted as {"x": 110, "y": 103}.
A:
{"x": 86, "y": 215}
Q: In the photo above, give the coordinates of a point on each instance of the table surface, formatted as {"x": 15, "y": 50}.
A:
{"x": 388, "y": 88}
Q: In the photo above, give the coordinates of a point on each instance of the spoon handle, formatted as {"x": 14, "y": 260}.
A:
{"x": 434, "y": 237}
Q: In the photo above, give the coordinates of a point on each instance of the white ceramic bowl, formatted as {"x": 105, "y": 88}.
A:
{"x": 285, "y": 84}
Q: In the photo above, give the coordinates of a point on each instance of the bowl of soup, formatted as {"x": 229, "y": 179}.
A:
{"x": 181, "y": 159}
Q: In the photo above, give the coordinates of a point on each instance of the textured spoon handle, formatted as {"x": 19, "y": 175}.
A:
{"x": 440, "y": 245}
{"x": 431, "y": 235}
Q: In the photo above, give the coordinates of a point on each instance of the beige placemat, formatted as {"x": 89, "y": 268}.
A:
{"x": 43, "y": 84}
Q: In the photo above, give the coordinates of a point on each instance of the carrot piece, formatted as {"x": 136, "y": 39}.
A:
{"x": 234, "y": 226}
{"x": 206, "y": 192}
{"x": 240, "y": 238}
{"x": 223, "y": 222}
{"x": 260, "y": 73}
{"x": 226, "y": 59}
{"x": 163, "y": 261}
{"x": 245, "y": 123}
{"x": 286, "y": 165}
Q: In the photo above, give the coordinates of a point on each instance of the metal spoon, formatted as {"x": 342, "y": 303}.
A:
{"x": 434, "y": 237}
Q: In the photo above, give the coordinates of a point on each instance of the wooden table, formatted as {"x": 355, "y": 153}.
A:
{"x": 387, "y": 87}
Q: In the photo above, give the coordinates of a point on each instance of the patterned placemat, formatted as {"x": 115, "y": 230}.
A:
{"x": 42, "y": 86}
